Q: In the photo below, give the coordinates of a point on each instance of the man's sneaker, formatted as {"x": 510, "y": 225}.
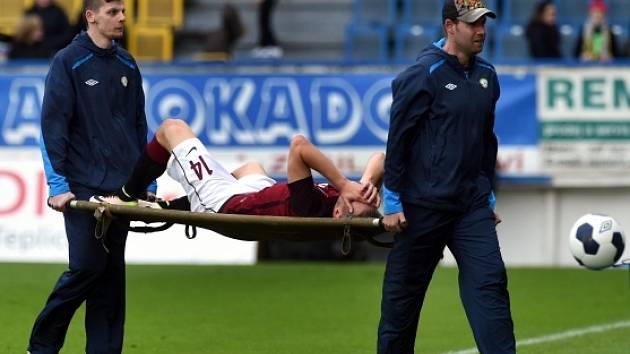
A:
{"x": 115, "y": 200}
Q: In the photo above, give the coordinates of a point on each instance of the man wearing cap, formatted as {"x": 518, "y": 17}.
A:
{"x": 439, "y": 172}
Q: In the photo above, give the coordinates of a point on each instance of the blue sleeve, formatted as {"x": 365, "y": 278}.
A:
{"x": 141, "y": 117}
{"x": 391, "y": 202}
{"x": 491, "y": 144}
{"x": 141, "y": 121}
{"x": 57, "y": 111}
{"x": 56, "y": 183}
{"x": 412, "y": 95}
{"x": 152, "y": 187}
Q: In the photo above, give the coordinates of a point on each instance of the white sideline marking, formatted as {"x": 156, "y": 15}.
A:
{"x": 558, "y": 336}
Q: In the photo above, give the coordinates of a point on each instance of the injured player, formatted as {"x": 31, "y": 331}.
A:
{"x": 248, "y": 189}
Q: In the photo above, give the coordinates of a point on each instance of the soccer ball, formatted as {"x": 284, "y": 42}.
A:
{"x": 596, "y": 241}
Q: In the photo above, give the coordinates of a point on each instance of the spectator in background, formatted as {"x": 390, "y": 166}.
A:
{"x": 28, "y": 40}
{"x": 542, "y": 32}
{"x": 267, "y": 43}
{"x": 57, "y": 32}
{"x": 596, "y": 41}
{"x": 224, "y": 39}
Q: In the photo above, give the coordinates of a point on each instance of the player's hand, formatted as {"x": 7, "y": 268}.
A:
{"x": 58, "y": 202}
{"x": 371, "y": 194}
{"x": 351, "y": 192}
{"x": 395, "y": 222}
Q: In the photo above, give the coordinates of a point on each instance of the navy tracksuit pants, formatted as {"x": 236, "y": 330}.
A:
{"x": 472, "y": 239}
{"x": 94, "y": 276}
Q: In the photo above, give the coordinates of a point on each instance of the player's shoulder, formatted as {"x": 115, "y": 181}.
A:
{"x": 124, "y": 56}
{"x": 429, "y": 60}
{"x": 124, "y": 53}
{"x": 417, "y": 76}
{"x": 430, "y": 57}
{"x": 484, "y": 64}
{"x": 416, "y": 73}
{"x": 72, "y": 55}
{"x": 413, "y": 71}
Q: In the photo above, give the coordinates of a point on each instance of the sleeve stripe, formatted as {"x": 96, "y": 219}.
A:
{"x": 81, "y": 61}
{"x": 56, "y": 182}
{"x": 436, "y": 65}
{"x": 125, "y": 61}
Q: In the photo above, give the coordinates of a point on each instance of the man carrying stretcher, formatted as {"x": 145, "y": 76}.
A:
{"x": 248, "y": 189}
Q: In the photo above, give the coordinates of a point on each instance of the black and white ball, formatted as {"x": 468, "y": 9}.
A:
{"x": 596, "y": 241}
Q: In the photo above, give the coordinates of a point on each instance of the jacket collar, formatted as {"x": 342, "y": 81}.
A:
{"x": 438, "y": 47}
{"x": 84, "y": 40}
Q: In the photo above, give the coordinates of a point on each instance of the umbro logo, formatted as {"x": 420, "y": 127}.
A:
{"x": 450, "y": 87}
{"x": 91, "y": 82}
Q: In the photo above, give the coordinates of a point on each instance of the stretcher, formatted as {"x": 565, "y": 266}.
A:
{"x": 242, "y": 227}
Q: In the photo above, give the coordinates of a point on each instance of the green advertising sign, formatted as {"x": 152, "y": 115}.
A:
{"x": 584, "y": 116}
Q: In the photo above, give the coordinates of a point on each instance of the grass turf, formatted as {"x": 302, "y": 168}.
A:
{"x": 317, "y": 308}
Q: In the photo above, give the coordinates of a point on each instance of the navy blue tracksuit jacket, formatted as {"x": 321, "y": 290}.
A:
{"x": 439, "y": 168}
{"x": 441, "y": 149}
{"x": 93, "y": 122}
{"x": 93, "y": 131}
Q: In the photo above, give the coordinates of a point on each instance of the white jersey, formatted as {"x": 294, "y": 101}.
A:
{"x": 206, "y": 182}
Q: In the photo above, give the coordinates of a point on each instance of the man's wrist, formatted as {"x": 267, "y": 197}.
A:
{"x": 59, "y": 190}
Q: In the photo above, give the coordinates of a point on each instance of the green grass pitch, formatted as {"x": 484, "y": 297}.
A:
{"x": 302, "y": 308}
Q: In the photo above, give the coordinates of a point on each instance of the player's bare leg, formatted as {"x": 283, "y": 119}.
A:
{"x": 172, "y": 132}
{"x": 249, "y": 168}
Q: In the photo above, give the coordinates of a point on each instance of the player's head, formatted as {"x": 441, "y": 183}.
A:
{"x": 360, "y": 209}
{"x": 107, "y": 17}
{"x": 464, "y": 23}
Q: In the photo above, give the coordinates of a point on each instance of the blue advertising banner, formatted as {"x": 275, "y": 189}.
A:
{"x": 266, "y": 110}
{"x": 516, "y": 122}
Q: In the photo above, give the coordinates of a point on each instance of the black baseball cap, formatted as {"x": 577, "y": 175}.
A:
{"x": 465, "y": 10}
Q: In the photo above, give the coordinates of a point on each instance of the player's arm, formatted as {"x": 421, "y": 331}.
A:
{"x": 57, "y": 110}
{"x": 491, "y": 146}
{"x": 304, "y": 156}
{"x": 142, "y": 128}
{"x": 373, "y": 177}
{"x": 374, "y": 169}
{"x": 412, "y": 95}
